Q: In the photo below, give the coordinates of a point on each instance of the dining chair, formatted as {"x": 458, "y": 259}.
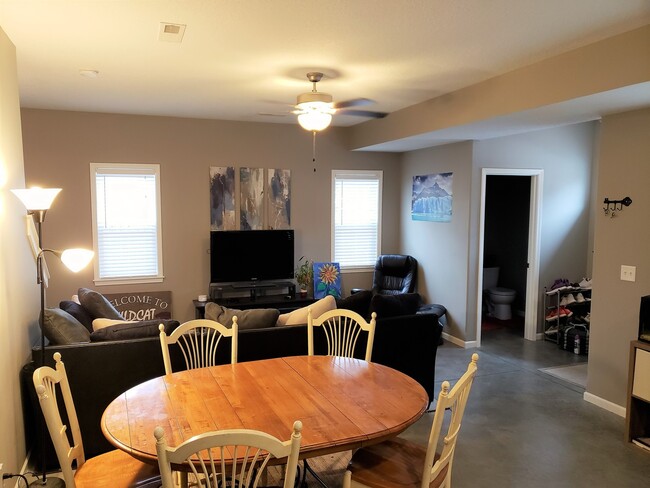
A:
{"x": 399, "y": 462}
{"x": 205, "y": 455}
{"x": 113, "y": 469}
{"x": 198, "y": 341}
{"x": 342, "y": 329}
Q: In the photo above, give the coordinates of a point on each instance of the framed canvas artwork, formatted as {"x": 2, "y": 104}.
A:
{"x": 327, "y": 280}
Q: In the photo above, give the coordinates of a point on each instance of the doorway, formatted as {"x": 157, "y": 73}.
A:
{"x": 520, "y": 261}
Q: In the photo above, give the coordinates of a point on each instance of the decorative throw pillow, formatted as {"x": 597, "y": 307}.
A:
{"x": 395, "y": 305}
{"x": 254, "y": 318}
{"x": 62, "y": 328}
{"x": 357, "y": 302}
{"x": 299, "y": 316}
{"x": 78, "y": 312}
{"x": 133, "y": 330}
{"x": 103, "y": 323}
{"x": 97, "y": 305}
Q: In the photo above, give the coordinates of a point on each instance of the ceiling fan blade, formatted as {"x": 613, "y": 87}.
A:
{"x": 355, "y": 102}
{"x": 364, "y": 113}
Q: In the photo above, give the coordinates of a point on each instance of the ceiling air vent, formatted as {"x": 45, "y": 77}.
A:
{"x": 171, "y": 32}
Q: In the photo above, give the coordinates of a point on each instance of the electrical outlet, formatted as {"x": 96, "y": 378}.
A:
{"x": 628, "y": 273}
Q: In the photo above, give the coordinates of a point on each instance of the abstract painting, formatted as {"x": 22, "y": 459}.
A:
{"x": 432, "y": 197}
{"x": 279, "y": 198}
{"x": 251, "y": 204}
{"x": 327, "y": 280}
{"x": 222, "y": 198}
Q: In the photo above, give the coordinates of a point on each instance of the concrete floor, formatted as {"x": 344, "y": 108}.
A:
{"x": 524, "y": 428}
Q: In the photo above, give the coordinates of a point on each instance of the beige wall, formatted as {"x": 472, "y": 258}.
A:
{"x": 624, "y": 170}
{"x": 60, "y": 145}
{"x": 441, "y": 248}
{"x": 448, "y": 252}
{"x": 19, "y": 297}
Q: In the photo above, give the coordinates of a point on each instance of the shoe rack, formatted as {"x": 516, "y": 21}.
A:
{"x": 565, "y": 309}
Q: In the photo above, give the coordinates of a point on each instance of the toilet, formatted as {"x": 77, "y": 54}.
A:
{"x": 499, "y": 299}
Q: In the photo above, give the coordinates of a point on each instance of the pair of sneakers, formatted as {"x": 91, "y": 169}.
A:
{"x": 559, "y": 284}
{"x": 559, "y": 312}
{"x": 585, "y": 283}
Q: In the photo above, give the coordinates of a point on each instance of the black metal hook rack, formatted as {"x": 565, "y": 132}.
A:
{"x": 613, "y": 206}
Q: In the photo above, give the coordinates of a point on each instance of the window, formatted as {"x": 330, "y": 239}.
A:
{"x": 356, "y": 218}
{"x": 126, "y": 223}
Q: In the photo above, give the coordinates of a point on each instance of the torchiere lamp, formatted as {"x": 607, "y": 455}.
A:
{"x": 38, "y": 201}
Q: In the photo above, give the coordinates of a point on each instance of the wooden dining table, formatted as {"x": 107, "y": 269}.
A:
{"x": 343, "y": 404}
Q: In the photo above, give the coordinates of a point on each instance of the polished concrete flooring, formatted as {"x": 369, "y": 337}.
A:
{"x": 524, "y": 428}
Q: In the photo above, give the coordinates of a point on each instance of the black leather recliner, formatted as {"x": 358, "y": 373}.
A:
{"x": 395, "y": 274}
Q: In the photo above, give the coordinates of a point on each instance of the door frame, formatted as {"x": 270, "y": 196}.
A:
{"x": 534, "y": 240}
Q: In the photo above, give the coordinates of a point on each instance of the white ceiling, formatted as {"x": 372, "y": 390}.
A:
{"x": 241, "y": 59}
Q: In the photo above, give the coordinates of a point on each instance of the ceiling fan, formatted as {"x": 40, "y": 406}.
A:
{"x": 315, "y": 109}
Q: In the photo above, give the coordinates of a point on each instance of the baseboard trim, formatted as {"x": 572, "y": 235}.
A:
{"x": 540, "y": 336}
{"x": 606, "y": 404}
{"x": 459, "y": 342}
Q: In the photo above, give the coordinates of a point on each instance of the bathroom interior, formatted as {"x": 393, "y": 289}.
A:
{"x": 505, "y": 252}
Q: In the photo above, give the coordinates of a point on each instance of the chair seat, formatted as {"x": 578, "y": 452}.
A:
{"x": 114, "y": 469}
{"x": 391, "y": 464}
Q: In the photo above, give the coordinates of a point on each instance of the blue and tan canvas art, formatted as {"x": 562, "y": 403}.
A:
{"x": 432, "y": 197}
{"x": 279, "y": 198}
{"x": 251, "y": 204}
{"x": 222, "y": 198}
{"x": 327, "y": 280}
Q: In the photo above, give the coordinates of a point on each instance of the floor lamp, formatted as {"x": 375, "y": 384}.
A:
{"x": 37, "y": 201}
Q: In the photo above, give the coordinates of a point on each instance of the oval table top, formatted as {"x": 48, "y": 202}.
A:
{"x": 343, "y": 404}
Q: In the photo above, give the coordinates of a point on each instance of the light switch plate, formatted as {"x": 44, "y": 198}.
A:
{"x": 628, "y": 273}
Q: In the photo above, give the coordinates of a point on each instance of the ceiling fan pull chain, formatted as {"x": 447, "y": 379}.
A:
{"x": 313, "y": 149}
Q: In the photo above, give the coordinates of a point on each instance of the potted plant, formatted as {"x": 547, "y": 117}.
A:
{"x": 305, "y": 275}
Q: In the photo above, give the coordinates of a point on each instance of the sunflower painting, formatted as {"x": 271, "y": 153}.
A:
{"x": 327, "y": 280}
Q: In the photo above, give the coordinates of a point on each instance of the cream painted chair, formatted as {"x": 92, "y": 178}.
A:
{"x": 113, "y": 469}
{"x": 204, "y": 453}
{"x": 342, "y": 330}
{"x": 198, "y": 340}
{"x": 398, "y": 462}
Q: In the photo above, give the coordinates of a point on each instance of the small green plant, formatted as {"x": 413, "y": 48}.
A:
{"x": 305, "y": 273}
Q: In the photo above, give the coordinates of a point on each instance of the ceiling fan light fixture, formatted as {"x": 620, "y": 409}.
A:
{"x": 314, "y": 120}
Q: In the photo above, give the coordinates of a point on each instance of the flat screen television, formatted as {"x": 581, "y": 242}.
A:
{"x": 251, "y": 255}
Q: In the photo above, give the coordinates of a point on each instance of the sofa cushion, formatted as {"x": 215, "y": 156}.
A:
{"x": 62, "y": 328}
{"x": 78, "y": 312}
{"x": 133, "y": 330}
{"x": 97, "y": 305}
{"x": 103, "y": 323}
{"x": 299, "y": 316}
{"x": 254, "y": 318}
{"x": 394, "y": 305}
{"x": 357, "y": 302}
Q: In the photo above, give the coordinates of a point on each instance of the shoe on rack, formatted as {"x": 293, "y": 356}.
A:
{"x": 587, "y": 318}
{"x": 580, "y": 298}
{"x": 567, "y": 300}
{"x": 585, "y": 283}
{"x": 552, "y": 330}
{"x": 559, "y": 284}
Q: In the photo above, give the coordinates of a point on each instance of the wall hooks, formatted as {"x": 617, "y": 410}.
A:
{"x": 613, "y": 206}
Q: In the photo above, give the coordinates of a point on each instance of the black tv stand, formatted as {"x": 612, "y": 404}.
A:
{"x": 221, "y": 291}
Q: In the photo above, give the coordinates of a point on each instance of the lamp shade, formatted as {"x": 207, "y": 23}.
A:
{"x": 76, "y": 259}
{"x": 36, "y": 198}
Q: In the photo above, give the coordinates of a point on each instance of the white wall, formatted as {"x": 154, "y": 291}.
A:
{"x": 19, "y": 300}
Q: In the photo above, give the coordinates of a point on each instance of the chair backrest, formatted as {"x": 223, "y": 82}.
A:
{"x": 342, "y": 328}
{"x": 198, "y": 340}
{"x": 205, "y": 455}
{"x": 395, "y": 274}
{"x": 454, "y": 402}
{"x": 45, "y": 381}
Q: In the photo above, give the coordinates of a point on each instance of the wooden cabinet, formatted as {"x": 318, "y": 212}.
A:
{"x": 637, "y": 418}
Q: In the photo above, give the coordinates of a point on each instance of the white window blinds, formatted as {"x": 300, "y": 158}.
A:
{"x": 356, "y": 218}
{"x": 126, "y": 222}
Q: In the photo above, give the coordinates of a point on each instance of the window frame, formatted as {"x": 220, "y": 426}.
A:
{"x": 341, "y": 174}
{"x": 125, "y": 169}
